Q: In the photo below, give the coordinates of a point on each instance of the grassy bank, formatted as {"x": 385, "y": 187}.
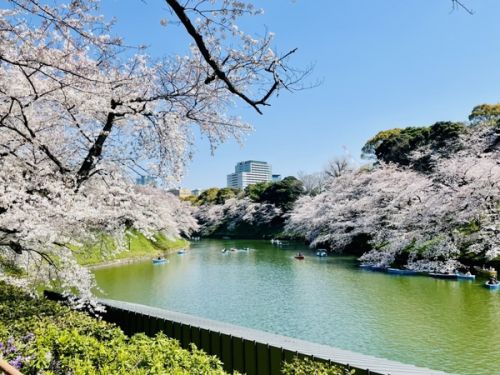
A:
{"x": 137, "y": 246}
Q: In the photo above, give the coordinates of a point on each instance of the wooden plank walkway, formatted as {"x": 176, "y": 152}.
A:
{"x": 367, "y": 364}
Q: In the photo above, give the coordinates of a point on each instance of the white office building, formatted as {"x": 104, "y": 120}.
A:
{"x": 249, "y": 172}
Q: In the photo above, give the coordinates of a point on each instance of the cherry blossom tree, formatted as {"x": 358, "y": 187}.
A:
{"x": 313, "y": 183}
{"x": 430, "y": 220}
{"x": 80, "y": 112}
{"x": 233, "y": 212}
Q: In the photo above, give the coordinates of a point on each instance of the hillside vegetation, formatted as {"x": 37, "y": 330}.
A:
{"x": 430, "y": 201}
{"x": 106, "y": 248}
{"x": 257, "y": 212}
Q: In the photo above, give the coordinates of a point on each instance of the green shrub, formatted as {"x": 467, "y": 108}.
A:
{"x": 308, "y": 367}
{"x": 41, "y": 337}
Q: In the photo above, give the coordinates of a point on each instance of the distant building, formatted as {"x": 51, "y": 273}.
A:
{"x": 249, "y": 172}
{"x": 276, "y": 177}
{"x": 195, "y": 192}
{"x": 145, "y": 180}
{"x": 181, "y": 192}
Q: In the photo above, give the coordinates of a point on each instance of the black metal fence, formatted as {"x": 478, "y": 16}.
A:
{"x": 236, "y": 353}
{"x": 241, "y": 349}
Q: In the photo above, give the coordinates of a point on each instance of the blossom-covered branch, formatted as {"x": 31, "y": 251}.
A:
{"x": 79, "y": 117}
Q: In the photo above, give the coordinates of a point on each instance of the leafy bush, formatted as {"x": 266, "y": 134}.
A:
{"x": 41, "y": 337}
{"x": 309, "y": 367}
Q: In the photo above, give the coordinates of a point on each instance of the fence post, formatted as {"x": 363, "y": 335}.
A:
{"x": 7, "y": 369}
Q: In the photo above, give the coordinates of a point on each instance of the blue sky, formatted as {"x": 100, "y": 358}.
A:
{"x": 384, "y": 64}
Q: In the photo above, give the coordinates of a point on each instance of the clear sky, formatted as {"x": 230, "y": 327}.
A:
{"x": 384, "y": 64}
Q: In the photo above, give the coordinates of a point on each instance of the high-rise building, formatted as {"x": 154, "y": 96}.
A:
{"x": 249, "y": 172}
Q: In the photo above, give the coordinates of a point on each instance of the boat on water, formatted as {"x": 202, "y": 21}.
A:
{"x": 492, "y": 286}
{"x": 447, "y": 276}
{"x": 159, "y": 261}
{"x": 321, "y": 253}
{"x": 181, "y": 252}
{"x": 399, "y": 271}
{"x": 465, "y": 276}
{"x": 299, "y": 256}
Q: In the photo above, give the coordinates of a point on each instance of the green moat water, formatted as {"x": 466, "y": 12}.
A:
{"x": 447, "y": 325}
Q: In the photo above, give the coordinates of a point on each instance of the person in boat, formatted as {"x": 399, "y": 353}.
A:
{"x": 159, "y": 258}
{"x": 493, "y": 280}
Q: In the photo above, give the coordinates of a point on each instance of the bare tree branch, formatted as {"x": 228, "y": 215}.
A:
{"x": 458, "y": 4}
{"x": 180, "y": 12}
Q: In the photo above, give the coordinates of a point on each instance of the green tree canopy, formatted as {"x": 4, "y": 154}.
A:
{"x": 255, "y": 191}
{"x": 370, "y": 147}
{"x": 226, "y": 193}
{"x": 208, "y": 196}
{"x": 485, "y": 112}
{"x": 284, "y": 193}
{"x": 396, "y": 145}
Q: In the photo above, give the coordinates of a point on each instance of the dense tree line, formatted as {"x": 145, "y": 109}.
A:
{"x": 431, "y": 201}
{"x": 256, "y": 208}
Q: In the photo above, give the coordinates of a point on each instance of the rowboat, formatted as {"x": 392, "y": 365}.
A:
{"x": 159, "y": 261}
{"x": 465, "y": 276}
{"x": 448, "y": 276}
{"x": 299, "y": 257}
{"x": 181, "y": 252}
{"x": 492, "y": 286}
{"x": 398, "y": 271}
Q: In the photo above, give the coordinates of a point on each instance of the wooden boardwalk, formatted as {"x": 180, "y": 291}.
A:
{"x": 261, "y": 345}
